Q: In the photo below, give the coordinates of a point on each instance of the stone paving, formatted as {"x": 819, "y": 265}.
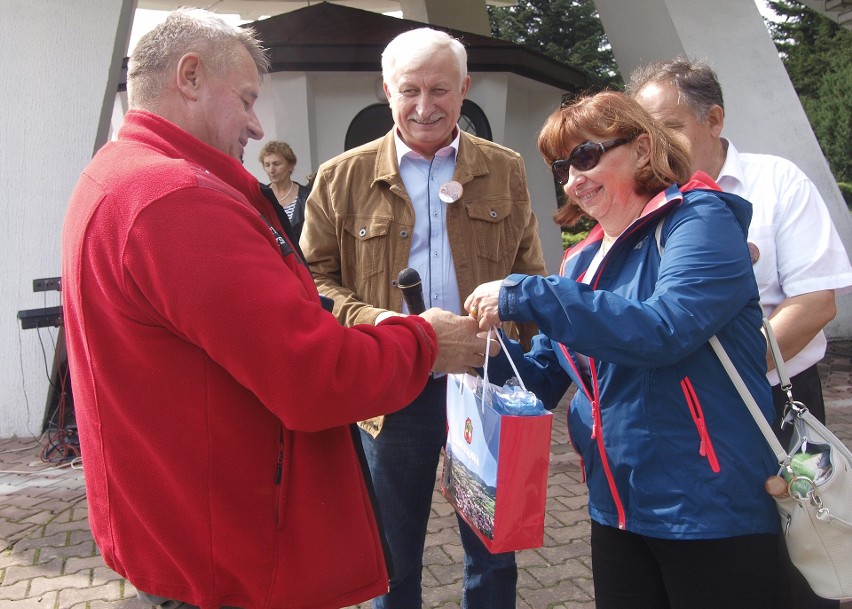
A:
{"x": 49, "y": 561}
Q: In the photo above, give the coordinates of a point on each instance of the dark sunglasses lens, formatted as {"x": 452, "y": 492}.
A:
{"x": 560, "y": 170}
{"x": 585, "y": 156}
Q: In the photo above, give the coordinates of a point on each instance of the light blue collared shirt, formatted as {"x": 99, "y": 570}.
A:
{"x": 430, "y": 254}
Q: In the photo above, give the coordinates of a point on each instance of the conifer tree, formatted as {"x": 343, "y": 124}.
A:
{"x": 817, "y": 53}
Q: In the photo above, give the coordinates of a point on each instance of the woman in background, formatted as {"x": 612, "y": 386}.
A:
{"x": 279, "y": 161}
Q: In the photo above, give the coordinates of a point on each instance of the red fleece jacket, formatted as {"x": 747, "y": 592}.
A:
{"x": 213, "y": 392}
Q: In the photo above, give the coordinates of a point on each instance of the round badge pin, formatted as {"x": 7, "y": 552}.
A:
{"x": 754, "y": 252}
{"x": 450, "y": 192}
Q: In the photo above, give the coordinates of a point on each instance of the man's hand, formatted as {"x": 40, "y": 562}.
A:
{"x": 459, "y": 347}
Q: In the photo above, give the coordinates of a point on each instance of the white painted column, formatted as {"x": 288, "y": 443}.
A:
{"x": 466, "y": 15}
{"x": 762, "y": 110}
{"x": 58, "y": 79}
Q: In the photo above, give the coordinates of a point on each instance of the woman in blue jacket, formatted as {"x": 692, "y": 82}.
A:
{"x": 674, "y": 463}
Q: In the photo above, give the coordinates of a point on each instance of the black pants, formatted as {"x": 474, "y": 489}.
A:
{"x": 807, "y": 389}
{"x": 636, "y": 572}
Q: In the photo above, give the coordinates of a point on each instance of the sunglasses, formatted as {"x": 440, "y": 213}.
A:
{"x": 584, "y": 157}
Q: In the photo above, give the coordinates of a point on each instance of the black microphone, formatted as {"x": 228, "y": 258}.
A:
{"x": 412, "y": 290}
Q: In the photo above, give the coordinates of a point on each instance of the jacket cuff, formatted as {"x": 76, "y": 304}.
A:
{"x": 368, "y": 315}
{"x": 509, "y": 296}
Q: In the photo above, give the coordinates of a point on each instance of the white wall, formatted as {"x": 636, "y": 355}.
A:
{"x": 56, "y": 93}
{"x": 762, "y": 110}
{"x": 285, "y": 110}
{"x": 528, "y": 105}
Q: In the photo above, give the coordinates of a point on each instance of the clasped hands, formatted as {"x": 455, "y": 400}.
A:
{"x": 462, "y": 340}
{"x": 461, "y": 345}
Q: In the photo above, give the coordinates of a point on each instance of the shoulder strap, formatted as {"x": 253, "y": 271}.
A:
{"x": 746, "y": 396}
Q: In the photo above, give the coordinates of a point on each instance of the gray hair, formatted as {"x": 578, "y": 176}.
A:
{"x": 695, "y": 81}
{"x": 186, "y": 30}
{"x": 416, "y": 46}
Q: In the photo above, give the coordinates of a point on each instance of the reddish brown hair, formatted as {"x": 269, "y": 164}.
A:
{"x": 610, "y": 115}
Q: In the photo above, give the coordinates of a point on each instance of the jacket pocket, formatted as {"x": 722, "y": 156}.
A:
{"x": 368, "y": 239}
{"x": 705, "y": 447}
{"x": 491, "y": 226}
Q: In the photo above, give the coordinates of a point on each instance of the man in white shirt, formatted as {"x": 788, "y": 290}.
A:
{"x": 799, "y": 260}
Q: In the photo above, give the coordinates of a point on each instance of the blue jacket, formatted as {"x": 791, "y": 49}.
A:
{"x": 669, "y": 448}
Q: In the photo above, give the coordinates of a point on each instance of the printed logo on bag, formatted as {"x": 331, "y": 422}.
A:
{"x": 468, "y": 431}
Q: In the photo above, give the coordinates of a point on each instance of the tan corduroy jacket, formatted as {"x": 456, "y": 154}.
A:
{"x": 359, "y": 219}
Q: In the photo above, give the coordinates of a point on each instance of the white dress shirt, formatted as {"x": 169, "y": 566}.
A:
{"x": 431, "y": 255}
{"x": 799, "y": 248}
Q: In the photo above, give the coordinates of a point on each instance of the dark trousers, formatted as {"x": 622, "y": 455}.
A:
{"x": 807, "y": 389}
{"x": 637, "y": 572}
{"x": 403, "y": 460}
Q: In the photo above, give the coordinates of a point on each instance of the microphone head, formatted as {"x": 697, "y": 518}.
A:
{"x": 408, "y": 278}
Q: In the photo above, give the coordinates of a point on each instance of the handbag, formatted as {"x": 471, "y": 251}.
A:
{"x": 813, "y": 488}
{"x": 495, "y": 463}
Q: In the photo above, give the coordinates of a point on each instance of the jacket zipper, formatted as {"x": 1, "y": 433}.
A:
{"x": 594, "y": 398}
{"x": 279, "y": 488}
{"x": 597, "y": 435}
{"x": 705, "y": 447}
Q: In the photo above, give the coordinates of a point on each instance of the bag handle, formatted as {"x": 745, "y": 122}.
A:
{"x": 487, "y": 357}
{"x": 745, "y": 394}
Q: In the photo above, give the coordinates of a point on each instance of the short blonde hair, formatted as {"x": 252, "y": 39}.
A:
{"x": 187, "y": 30}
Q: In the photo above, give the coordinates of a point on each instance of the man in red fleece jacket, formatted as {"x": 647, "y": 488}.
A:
{"x": 213, "y": 393}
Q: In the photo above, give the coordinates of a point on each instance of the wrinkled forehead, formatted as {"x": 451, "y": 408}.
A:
{"x": 662, "y": 98}
{"x": 435, "y": 66}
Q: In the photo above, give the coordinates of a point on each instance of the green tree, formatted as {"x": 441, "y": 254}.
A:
{"x": 568, "y": 31}
{"x": 817, "y": 53}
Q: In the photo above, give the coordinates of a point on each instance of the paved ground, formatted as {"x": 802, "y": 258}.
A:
{"x": 49, "y": 561}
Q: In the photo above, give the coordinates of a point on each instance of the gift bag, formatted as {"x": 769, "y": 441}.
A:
{"x": 495, "y": 463}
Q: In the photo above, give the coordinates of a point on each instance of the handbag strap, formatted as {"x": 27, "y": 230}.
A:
{"x": 780, "y": 367}
{"x": 745, "y": 394}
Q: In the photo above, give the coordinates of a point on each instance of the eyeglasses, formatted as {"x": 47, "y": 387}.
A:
{"x": 584, "y": 157}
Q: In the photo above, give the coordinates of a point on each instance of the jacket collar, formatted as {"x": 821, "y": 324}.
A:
{"x": 402, "y": 148}
{"x": 654, "y": 209}
{"x": 470, "y": 162}
{"x": 174, "y": 142}
{"x": 155, "y": 131}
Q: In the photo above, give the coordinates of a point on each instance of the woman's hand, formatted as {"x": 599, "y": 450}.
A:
{"x": 483, "y": 304}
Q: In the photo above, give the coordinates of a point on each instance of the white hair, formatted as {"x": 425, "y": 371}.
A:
{"x": 415, "y": 47}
